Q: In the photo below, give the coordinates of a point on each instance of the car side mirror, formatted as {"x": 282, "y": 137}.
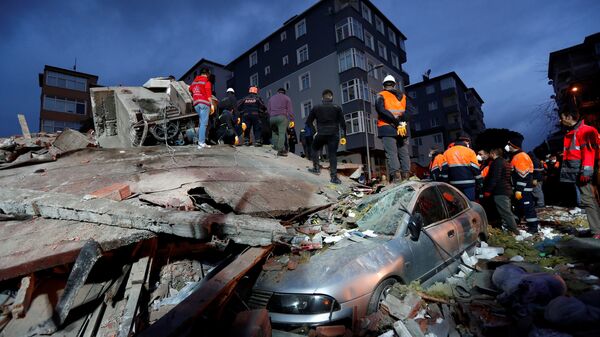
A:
{"x": 415, "y": 224}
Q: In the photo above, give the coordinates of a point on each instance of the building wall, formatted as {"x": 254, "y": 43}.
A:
{"x": 423, "y": 144}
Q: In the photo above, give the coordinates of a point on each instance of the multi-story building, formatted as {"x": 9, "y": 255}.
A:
{"x": 574, "y": 73}
{"x": 346, "y": 46}
{"x": 65, "y": 98}
{"x": 219, "y": 75}
{"x": 444, "y": 108}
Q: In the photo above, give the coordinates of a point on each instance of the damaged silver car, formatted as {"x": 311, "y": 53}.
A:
{"x": 422, "y": 229}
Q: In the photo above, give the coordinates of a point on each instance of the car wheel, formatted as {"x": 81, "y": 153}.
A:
{"x": 379, "y": 294}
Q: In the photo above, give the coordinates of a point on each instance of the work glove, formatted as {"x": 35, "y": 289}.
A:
{"x": 535, "y": 182}
{"x": 237, "y": 140}
{"x": 518, "y": 195}
{"x": 487, "y": 194}
{"x": 244, "y": 126}
{"x": 291, "y": 124}
{"x": 584, "y": 179}
{"x": 239, "y": 120}
{"x": 212, "y": 109}
{"x": 402, "y": 129}
{"x": 343, "y": 141}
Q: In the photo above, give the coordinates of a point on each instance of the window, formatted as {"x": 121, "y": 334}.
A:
{"x": 354, "y": 122}
{"x": 50, "y": 126}
{"x": 430, "y": 89}
{"x": 382, "y": 50}
{"x": 455, "y": 202}
{"x": 412, "y": 94}
{"x": 432, "y": 106}
{"x": 351, "y": 90}
{"x": 401, "y": 44}
{"x": 65, "y": 105}
{"x": 395, "y": 60}
{"x": 305, "y": 107}
{"x": 304, "y": 81}
{"x": 392, "y": 36}
{"x": 301, "y": 28}
{"x": 254, "y": 80}
{"x": 366, "y": 13}
{"x": 449, "y": 101}
{"x": 302, "y": 54}
{"x": 253, "y": 58}
{"x": 370, "y": 67}
{"x": 348, "y": 27}
{"x": 437, "y": 139}
{"x": 351, "y": 58}
{"x": 379, "y": 25}
{"x": 66, "y": 81}
{"x": 267, "y": 70}
{"x": 417, "y": 126}
{"x": 369, "y": 40}
{"x": 447, "y": 83}
{"x": 286, "y": 85}
{"x": 283, "y": 36}
{"x": 430, "y": 207}
{"x": 286, "y": 60}
{"x": 435, "y": 121}
{"x": 266, "y": 47}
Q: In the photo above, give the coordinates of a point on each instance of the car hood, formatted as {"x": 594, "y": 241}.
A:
{"x": 345, "y": 271}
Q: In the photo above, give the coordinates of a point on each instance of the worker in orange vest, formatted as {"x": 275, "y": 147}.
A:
{"x": 522, "y": 167}
{"x": 438, "y": 168}
{"x": 483, "y": 157}
{"x": 393, "y": 130}
{"x": 463, "y": 168}
{"x": 580, "y": 148}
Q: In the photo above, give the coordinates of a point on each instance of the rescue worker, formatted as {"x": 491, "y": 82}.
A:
{"x": 393, "y": 130}
{"x": 538, "y": 176}
{"x": 580, "y": 146}
{"x": 438, "y": 168}
{"x": 483, "y": 157}
{"x": 522, "y": 174}
{"x": 229, "y": 103}
{"x": 497, "y": 186}
{"x": 306, "y": 138}
{"x": 463, "y": 168}
{"x": 201, "y": 90}
{"x": 251, "y": 108}
{"x": 281, "y": 117}
{"x": 292, "y": 139}
{"x": 330, "y": 119}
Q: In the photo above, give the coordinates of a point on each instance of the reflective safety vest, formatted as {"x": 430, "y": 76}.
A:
{"x": 522, "y": 167}
{"x": 463, "y": 168}
{"x": 438, "y": 168}
{"x": 485, "y": 171}
{"x": 393, "y": 105}
{"x": 579, "y": 153}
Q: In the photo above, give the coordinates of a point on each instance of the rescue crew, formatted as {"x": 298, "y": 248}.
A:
{"x": 522, "y": 174}
{"x": 580, "y": 146}
{"x": 251, "y": 108}
{"x": 438, "y": 168}
{"x": 229, "y": 103}
{"x": 392, "y": 129}
{"x": 497, "y": 188}
{"x": 330, "y": 119}
{"x": 463, "y": 168}
{"x": 201, "y": 90}
{"x": 483, "y": 157}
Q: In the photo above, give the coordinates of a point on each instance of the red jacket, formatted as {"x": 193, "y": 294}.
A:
{"x": 580, "y": 145}
{"x": 201, "y": 90}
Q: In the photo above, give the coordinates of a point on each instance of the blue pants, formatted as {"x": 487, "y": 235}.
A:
{"x": 526, "y": 207}
{"x": 203, "y": 112}
{"x": 468, "y": 190}
{"x": 253, "y": 123}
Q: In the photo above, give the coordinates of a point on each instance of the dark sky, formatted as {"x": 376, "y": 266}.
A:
{"x": 499, "y": 47}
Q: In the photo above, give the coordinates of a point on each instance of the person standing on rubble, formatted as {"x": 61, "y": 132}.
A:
{"x": 281, "y": 117}
{"x": 251, "y": 107}
{"x": 229, "y": 103}
{"x": 201, "y": 90}
{"x": 463, "y": 168}
{"x": 497, "y": 186}
{"x": 330, "y": 119}
{"x": 438, "y": 168}
{"x": 392, "y": 129}
{"x": 580, "y": 146}
{"x": 292, "y": 139}
{"x": 522, "y": 167}
{"x": 538, "y": 176}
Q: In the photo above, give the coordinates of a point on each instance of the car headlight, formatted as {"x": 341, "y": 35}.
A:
{"x": 302, "y": 304}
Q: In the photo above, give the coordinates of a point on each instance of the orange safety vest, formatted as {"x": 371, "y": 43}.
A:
{"x": 485, "y": 171}
{"x": 522, "y": 164}
{"x": 393, "y": 105}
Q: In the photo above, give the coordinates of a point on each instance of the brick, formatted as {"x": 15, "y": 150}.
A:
{"x": 252, "y": 323}
{"x": 115, "y": 192}
{"x": 331, "y": 331}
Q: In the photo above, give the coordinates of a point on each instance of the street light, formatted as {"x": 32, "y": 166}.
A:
{"x": 367, "y": 121}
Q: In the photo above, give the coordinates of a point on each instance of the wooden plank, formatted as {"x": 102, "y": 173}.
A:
{"x": 182, "y": 316}
{"x": 24, "y": 126}
{"x": 23, "y": 298}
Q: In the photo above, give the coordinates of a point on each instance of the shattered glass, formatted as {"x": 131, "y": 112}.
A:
{"x": 382, "y": 213}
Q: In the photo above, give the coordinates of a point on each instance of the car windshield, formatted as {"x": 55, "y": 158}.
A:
{"x": 382, "y": 212}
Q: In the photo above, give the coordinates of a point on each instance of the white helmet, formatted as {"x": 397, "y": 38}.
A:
{"x": 230, "y": 90}
{"x": 389, "y": 78}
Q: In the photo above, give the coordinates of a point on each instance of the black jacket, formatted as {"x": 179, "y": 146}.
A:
{"x": 229, "y": 103}
{"x": 330, "y": 119}
{"x": 498, "y": 180}
{"x": 251, "y": 104}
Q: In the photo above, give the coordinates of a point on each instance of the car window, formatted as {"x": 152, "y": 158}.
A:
{"x": 430, "y": 206}
{"x": 454, "y": 201}
{"x": 382, "y": 212}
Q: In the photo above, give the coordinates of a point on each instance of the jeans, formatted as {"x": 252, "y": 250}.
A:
{"x": 503, "y": 206}
{"x": 203, "y": 112}
{"x": 590, "y": 205}
{"x": 332, "y": 146}
{"x": 396, "y": 154}
{"x": 253, "y": 125}
{"x": 279, "y": 126}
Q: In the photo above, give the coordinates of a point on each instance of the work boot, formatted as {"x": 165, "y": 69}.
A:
{"x": 405, "y": 175}
{"x": 396, "y": 177}
{"x": 246, "y": 143}
{"x": 258, "y": 143}
{"x": 315, "y": 169}
{"x": 335, "y": 180}
{"x": 282, "y": 153}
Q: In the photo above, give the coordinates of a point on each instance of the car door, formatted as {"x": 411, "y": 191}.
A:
{"x": 435, "y": 248}
{"x": 461, "y": 214}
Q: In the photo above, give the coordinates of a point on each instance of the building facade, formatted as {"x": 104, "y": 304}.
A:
{"x": 444, "y": 108}
{"x": 345, "y": 46}
{"x": 219, "y": 75}
{"x": 574, "y": 74}
{"x": 65, "y": 98}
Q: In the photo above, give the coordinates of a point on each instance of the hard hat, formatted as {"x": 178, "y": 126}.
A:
{"x": 253, "y": 90}
{"x": 230, "y": 90}
{"x": 389, "y": 78}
